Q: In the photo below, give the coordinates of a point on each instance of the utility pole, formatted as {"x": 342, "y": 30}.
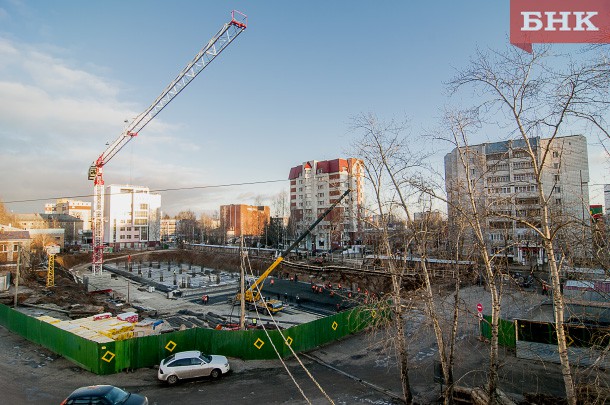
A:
{"x": 242, "y": 315}
{"x": 17, "y": 278}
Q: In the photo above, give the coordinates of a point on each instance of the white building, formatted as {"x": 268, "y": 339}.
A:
{"x": 315, "y": 186}
{"x": 503, "y": 177}
{"x": 132, "y": 215}
{"x": 75, "y": 208}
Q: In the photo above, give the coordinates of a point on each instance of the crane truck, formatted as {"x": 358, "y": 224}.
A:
{"x": 252, "y": 295}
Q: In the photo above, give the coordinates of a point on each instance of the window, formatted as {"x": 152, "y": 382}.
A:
{"x": 558, "y": 190}
{"x": 520, "y": 154}
{"x": 555, "y": 165}
{"x": 556, "y": 177}
{"x": 523, "y": 165}
{"x": 558, "y": 201}
{"x": 180, "y": 363}
{"x": 320, "y": 194}
{"x": 555, "y": 154}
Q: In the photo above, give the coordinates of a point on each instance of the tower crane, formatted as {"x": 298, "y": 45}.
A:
{"x": 207, "y": 54}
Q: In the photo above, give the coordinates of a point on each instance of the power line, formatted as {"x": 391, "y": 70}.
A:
{"x": 152, "y": 191}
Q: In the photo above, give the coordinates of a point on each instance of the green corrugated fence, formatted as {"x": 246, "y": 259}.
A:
{"x": 506, "y": 331}
{"x": 113, "y": 357}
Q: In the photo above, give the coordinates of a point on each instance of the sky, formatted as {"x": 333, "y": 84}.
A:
{"x": 284, "y": 92}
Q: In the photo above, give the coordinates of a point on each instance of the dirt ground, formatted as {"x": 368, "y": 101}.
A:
{"x": 370, "y": 355}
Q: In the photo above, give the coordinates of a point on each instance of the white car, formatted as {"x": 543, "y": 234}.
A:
{"x": 192, "y": 364}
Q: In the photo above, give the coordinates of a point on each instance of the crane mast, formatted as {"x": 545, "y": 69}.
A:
{"x": 207, "y": 54}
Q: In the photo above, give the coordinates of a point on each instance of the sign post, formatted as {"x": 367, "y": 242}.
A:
{"x": 480, "y": 315}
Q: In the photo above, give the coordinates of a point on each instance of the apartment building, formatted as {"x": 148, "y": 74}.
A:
{"x": 315, "y": 186}
{"x": 243, "y": 220}
{"x": 74, "y": 208}
{"x": 133, "y": 216}
{"x": 168, "y": 229}
{"x": 502, "y": 175}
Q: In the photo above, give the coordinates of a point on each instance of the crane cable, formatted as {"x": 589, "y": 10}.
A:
{"x": 271, "y": 341}
{"x": 258, "y": 288}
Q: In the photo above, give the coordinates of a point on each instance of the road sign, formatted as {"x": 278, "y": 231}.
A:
{"x": 479, "y": 307}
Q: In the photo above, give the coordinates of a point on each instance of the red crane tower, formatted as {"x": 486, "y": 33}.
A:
{"x": 207, "y": 54}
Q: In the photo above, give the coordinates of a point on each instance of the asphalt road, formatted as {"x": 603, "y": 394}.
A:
{"x": 33, "y": 375}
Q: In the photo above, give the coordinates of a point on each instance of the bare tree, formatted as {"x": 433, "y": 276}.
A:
{"x": 391, "y": 167}
{"x": 375, "y": 174}
{"x": 467, "y": 208}
{"x": 532, "y": 95}
{"x": 6, "y": 217}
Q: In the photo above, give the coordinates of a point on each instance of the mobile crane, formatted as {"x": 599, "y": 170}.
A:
{"x": 252, "y": 295}
{"x": 207, "y": 54}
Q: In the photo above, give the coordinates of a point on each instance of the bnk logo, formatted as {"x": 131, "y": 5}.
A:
{"x": 559, "y": 21}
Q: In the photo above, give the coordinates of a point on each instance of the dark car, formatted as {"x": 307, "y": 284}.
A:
{"x": 104, "y": 395}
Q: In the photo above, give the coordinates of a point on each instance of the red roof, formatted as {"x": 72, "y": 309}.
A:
{"x": 295, "y": 172}
{"x": 326, "y": 166}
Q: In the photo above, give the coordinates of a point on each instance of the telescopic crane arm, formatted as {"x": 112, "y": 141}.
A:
{"x": 252, "y": 294}
{"x": 207, "y": 54}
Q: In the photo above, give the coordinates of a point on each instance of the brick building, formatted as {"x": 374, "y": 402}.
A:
{"x": 243, "y": 220}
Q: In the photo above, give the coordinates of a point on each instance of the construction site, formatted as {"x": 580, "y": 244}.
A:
{"x": 170, "y": 285}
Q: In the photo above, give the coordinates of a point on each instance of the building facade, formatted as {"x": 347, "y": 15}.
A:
{"x": 243, "y": 220}
{"x": 74, "y": 208}
{"x": 314, "y": 187}
{"x": 168, "y": 229}
{"x": 505, "y": 188}
{"x": 133, "y": 217}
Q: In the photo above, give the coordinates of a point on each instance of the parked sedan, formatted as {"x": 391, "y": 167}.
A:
{"x": 192, "y": 364}
{"x": 104, "y": 395}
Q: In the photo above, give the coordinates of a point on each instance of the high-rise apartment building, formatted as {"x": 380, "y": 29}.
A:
{"x": 315, "y": 186}
{"x": 75, "y": 208}
{"x": 133, "y": 216}
{"x": 243, "y": 220}
{"x": 502, "y": 175}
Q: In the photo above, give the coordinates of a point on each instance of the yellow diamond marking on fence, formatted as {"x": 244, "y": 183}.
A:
{"x": 108, "y": 356}
{"x": 335, "y": 325}
{"x": 259, "y": 343}
{"x": 170, "y": 346}
{"x": 373, "y": 313}
{"x": 289, "y": 341}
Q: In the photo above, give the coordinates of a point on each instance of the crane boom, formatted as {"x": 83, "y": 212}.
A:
{"x": 207, "y": 54}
